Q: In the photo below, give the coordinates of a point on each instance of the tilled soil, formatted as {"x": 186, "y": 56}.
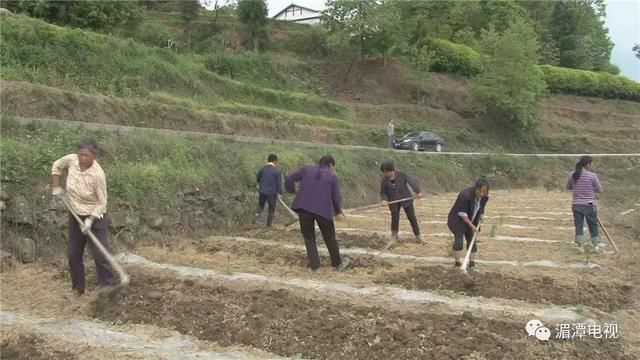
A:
{"x": 269, "y": 254}
{"x": 288, "y": 324}
{"x": 489, "y": 249}
{"x": 30, "y": 347}
{"x": 544, "y": 289}
{"x": 589, "y": 289}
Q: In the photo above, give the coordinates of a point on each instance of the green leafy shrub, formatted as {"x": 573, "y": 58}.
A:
{"x": 446, "y": 56}
{"x": 589, "y": 83}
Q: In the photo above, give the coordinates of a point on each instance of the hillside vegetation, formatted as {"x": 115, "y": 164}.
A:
{"x": 303, "y": 83}
{"x": 75, "y": 59}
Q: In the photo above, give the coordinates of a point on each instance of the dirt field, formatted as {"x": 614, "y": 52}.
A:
{"x": 251, "y": 296}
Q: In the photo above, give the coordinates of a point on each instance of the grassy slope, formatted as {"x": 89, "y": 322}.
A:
{"x": 78, "y": 60}
{"x": 373, "y": 93}
{"x": 174, "y": 164}
{"x": 203, "y": 184}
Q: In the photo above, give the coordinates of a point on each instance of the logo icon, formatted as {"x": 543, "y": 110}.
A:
{"x": 536, "y": 328}
{"x": 543, "y": 333}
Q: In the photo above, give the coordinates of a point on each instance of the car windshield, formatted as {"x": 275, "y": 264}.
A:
{"x": 410, "y": 135}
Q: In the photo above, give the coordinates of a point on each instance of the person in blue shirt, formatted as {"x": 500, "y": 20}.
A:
{"x": 269, "y": 180}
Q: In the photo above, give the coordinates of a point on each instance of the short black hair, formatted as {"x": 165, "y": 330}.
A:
{"x": 481, "y": 182}
{"x": 272, "y": 158}
{"x": 387, "y": 166}
{"x": 89, "y": 144}
{"x": 327, "y": 160}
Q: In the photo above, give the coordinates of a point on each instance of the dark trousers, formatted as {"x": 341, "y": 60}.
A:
{"x": 411, "y": 215}
{"x": 271, "y": 200}
{"x": 580, "y": 213}
{"x": 458, "y": 241}
{"x": 75, "y": 252}
{"x": 328, "y": 230}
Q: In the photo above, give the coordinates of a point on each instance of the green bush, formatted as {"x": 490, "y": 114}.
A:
{"x": 248, "y": 67}
{"x": 153, "y": 34}
{"x": 405, "y": 127}
{"x": 97, "y": 15}
{"x": 312, "y": 42}
{"x": 445, "y": 56}
{"x": 589, "y": 83}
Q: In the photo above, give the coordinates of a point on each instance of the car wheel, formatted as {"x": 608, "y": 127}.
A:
{"x": 438, "y": 147}
{"x": 415, "y": 146}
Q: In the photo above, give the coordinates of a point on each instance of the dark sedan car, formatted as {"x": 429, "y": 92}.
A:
{"x": 419, "y": 140}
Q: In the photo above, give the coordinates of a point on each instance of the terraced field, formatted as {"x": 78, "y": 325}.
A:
{"x": 251, "y": 296}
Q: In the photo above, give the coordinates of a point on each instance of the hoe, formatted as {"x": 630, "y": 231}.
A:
{"x": 124, "y": 278}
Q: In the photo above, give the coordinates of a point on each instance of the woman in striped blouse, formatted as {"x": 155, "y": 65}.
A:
{"x": 585, "y": 184}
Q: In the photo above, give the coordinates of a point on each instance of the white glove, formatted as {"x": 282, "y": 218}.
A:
{"x": 57, "y": 191}
{"x": 88, "y": 222}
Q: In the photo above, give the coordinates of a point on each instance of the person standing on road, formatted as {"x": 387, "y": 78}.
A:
{"x": 269, "y": 180}
{"x": 395, "y": 186}
{"x": 391, "y": 133}
{"x": 86, "y": 190}
{"x": 464, "y": 217}
{"x": 585, "y": 184}
{"x": 318, "y": 201}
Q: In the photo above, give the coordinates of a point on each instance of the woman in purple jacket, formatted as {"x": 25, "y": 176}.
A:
{"x": 318, "y": 200}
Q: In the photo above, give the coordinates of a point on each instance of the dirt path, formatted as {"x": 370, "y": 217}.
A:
{"x": 98, "y": 341}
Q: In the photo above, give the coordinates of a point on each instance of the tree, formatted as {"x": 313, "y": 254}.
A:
{"x": 499, "y": 14}
{"x": 96, "y": 15}
{"x": 507, "y": 89}
{"x": 387, "y": 24}
{"x": 636, "y": 49}
{"x": 189, "y": 11}
{"x": 577, "y": 30}
{"x": 370, "y": 26}
{"x": 254, "y": 14}
{"x": 350, "y": 21}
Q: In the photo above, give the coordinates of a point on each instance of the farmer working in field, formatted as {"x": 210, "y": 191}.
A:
{"x": 86, "y": 190}
{"x": 395, "y": 186}
{"x": 318, "y": 201}
{"x": 464, "y": 217}
{"x": 269, "y": 180}
{"x": 585, "y": 184}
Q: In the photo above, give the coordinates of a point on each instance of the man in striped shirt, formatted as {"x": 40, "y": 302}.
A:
{"x": 585, "y": 184}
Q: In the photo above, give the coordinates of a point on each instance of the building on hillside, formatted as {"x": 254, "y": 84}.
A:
{"x": 299, "y": 14}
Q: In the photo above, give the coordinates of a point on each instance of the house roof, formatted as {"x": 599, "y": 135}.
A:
{"x": 292, "y": 4}
{"x": 307, "y": 18}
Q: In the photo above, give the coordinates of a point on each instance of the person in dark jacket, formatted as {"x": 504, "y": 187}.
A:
{"x": 269, "y": 180}
{"x": 465, "y": 216}
{"x": 318, "y": 200}
{"x": 395, "y": 186}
